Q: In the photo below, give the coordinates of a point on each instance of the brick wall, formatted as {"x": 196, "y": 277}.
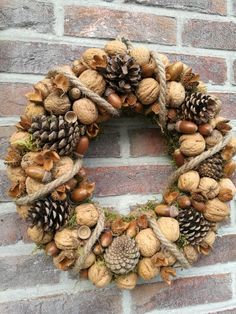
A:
{"x": 128, "y": 162}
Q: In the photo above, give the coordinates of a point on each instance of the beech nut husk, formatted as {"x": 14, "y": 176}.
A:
{"x": 64, "y": 260}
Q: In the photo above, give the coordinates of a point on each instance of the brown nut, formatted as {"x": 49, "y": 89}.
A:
{"x": 148, "y": 91}
{"x": 184, "y": 201}
{"x": 205, "y": 129}
{"x": 82, "y": 145}
{"x": 106, "y": 238}
{"x": 186, "y": 127}
{"x": 85, "y": 110}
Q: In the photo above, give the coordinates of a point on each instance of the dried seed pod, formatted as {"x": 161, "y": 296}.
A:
{"x": 186, "y": 127}
{"x": 170, "y": 197}
{"x": 64, "y": 260}
{"x": 70, "y": 117}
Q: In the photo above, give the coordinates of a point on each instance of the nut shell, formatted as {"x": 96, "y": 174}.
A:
{"x": 57, "y": 103}
{"x": 114, "y": 47}
{"x": 99, "y": 275}
{"x": 89, "y": 54}
{"x": 85, "y": 110}
{"x": 216, "y": 210}
{"x": 93, "y": 80}
{"x": 147, "y": 242}
{"x": 148, "y": 91}
{"x": 192, "y": 144}
{"x": 169, "y": 228}
{"x": 66, "y": 239}
{"x": 175, "y": 94}
{"x": 127, "y": 282}
{"x": 141, "y": 55}
{"x": 86, "y": 214}
{"x": 189, "y": 181}
{"x": 209, "y": 187}
{"x": 147, "y": 270}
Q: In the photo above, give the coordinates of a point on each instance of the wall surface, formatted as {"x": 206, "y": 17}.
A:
{"x": 128, "y": 162}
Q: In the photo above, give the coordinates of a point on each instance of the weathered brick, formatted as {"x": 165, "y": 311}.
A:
{"x": 4, "y": 186}
{"x": 224, "y": 251}
{"x": 26, "y": 14}
{"x": 13, "y": 229}
{"x": 83, "y": 22}
{"x": 228, "y": 104}
{"x": 5, "y": 133}
{"x": 203, "y": 6}
{"x": 234, "y": 69}
{"x": 106, "y": 144}
{"x": 12, "y": 98}
{"x": 231, "y": 311}
{"x": 210, "y": 34}
{"x": 183, "y": 292}
{"x": 147, "y": 142}
{"x": 104, "y": 301}
{"x": 35, "y": 57}
{"x": 132, "y": 179}
{"x": 211, "y": 69}
{"x": 234, "y": 7}
{"x": 27, "y": 271}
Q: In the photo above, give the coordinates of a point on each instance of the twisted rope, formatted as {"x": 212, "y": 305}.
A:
{"x": 92, "y": 240}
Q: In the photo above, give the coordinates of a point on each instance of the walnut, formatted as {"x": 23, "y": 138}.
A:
{"x": 214, "y": 138}
{"x": 148, "y": 91}
{"x": 89, "y": 54}
{"x": 99, "y": 275}
{"x": 175, "y": 94}
{"x": 93, "y": 80}
{"x": 216, "y": 210}
{"x": 37, "y": 235}
{"x": 189, "y": 181}
{"x": 190, "y": 253}
{"x": 169, "y": 227}
{"x": 192, "y": 144}
{"x": 85, "y": 110}
{"x": 57, "y": 103}
{"x": 67, "y": 239}
{"x": 208, "y": 187}
{"x": 32, "y": 185}
{"x": 114, "y": 47}
{"x": 147, "y": 242}
{"x": 147, "y": 270}
{"x": 86, "y": 214}
{"x": 127, "y": 281}
{"x": 141, "y": 55}
{"x": 227, "y": 184}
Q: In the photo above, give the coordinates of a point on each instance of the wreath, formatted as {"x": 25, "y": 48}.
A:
{"x": 53, "y": 193}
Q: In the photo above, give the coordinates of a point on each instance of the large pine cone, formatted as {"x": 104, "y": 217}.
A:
{"x": 199, "y": 108}
{"x": 55, "y": 133}
{"x": 48, "y": 214}
{"x": 212, "y": 167}
{"x": 193, "y": 225}
{"x": 122, "y": 73}
{"x": 122, "y": 255}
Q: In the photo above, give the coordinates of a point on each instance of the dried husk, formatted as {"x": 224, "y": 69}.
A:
{"x": 32, "y": 110}
{"x": 65, "y": 260}
{"x": 167, "y": 273}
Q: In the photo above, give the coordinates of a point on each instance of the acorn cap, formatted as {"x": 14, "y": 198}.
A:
{"x": 84, "y": 232}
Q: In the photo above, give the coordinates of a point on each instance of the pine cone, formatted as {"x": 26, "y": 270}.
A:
{"x": 122, "y": 73}
{"x": 55, "y": 133}
{"x": 199, "y": 108}
{"x": 122, "y": 255}
{"x": 48, "y": 214}
{"x": 212, "y": 167}
{"x": 193, "y": 225}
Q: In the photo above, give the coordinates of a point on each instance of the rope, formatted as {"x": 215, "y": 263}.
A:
{"x": 50, "y": 186}
{"x": 101, "y": 102}
{"x": 92, "y": 240}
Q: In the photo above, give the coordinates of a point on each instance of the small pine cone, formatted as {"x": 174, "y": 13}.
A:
{"x": 55, "y": 133}
{"x": 212, "y": 167}
{"x": 193, "y": 225}
{"x": 48, "y": 214}
{"x": 122, "y": 255}
{"x": 199, "y": 108}
{"x": 122, "y": 73}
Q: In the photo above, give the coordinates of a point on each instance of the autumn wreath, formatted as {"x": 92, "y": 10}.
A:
{"x": 52, "y": 191}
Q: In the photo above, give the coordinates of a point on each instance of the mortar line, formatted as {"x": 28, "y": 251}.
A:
{"x": 59, "y": 14}
{"x": 126, "y": 302}
{"x": 124, "y": 143}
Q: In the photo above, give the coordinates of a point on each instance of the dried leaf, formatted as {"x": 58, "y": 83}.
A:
{"x": 13, "y": 157}
{"x": 35, "y": 96}
{"x": 62, "y": 82}
{"x": 17, "y": 189}
{"x": 24, "y": 124}
{"x": 118, "y": 226}
{"x": 167, "y": 273}
{"x": 46, "y": 158}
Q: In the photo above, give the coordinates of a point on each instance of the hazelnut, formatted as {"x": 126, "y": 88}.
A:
{"x": 93, "y": 80}
{"x": 189, "y": 181}
{"x": 184, "y": 201}
{"x": 57, "y": 103}
{"x": 169, "y": 227}
{"x": 216, "y": 210}
{"x": 147, "y": 242}
{"x": 127, "y": 282}
{"x": 147, "y": 270}
{"x": 209, "y": 187}
{"x": 114, "y": 47}
{"x": 148, "y": 91}
{"x": 178, "y": 157}
{"x": 192, "y": 144}
{"x": 99, "y": 275}
{"x": 85, "y": 110}
{"x": 86, "y": 214}
{"x": 74, "y": 93}
{"x": 67, "y": 239}
{"x": 175, "y": 94}
{"x": 205, "y": 129}
{"x": 141, "y": 55}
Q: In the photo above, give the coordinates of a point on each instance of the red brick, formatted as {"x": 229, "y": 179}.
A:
{"x": 106, "y": 144}
{"x": 228, "y": 104}
{"x": 147, "y": 142}
{"x": 93, "y": 302}
{"x": 36, "y": 57}
{"x": 211, "y": 69}
{"x": 27, "y": 14}
{"x": 99, "y": 22}
{"x": 27, "y": 271}
{"x": 183, "y": 292}
{"x": 12, "y": 98}
{"x": 209, "y": 34}
{"x": 234, "y": 69}
{"x": 5, "y": 133}
{"x": 13, "y": 229}
{"x": 132, "y": 179}
{"x": 206, "y": 6}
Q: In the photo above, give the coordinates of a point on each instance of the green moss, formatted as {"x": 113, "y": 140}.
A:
{"x": 181, "y": 242}
{"x": 71, "y": 223}
{"x": 37, "y": 248}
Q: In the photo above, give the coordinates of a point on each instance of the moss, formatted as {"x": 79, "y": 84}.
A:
{"x": 37, "y": 248}
{"x": 181, "y": 242}
{"x": 71, "y": 223}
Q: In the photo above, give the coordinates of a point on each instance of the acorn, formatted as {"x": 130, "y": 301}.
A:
{"x": 138, "y": 107}
{"x": 83, "y": 274}
{"x": 39, "y": 174}
{"x": 184, "y": 201}
{"x": 82, "y": 145}
{"x": 84, "y": 232}
{"x": 186, "y": 127}
{"x": 132, "y": 229}
{"x": 98, "y": 249}
{"x": 113, "y": 98}
{"x": 166, "y": 211}
{"x": 71, "y": 184}
{"x": 199, "y": 206}
{"x": 106, "y": 238}
{"x": 79, "y": 195}
{"x": 178, "y": 157}
{"x": 172, "y": 114}
{"x": 51, "y": 249}
{"x": 205, "y": 129}
{"x": 74, "y": 93}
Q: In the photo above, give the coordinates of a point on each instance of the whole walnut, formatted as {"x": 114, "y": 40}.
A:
{"x": 141, "y": 55}
{"x": 147, "y": 242}
{"x": 64, "y": 165}
{"x": 216, "y": 210}
{"x": 127, "y": 281}
{"x": 189, "y": 181}
{"x": 32, "y": 110}
{"x": 67, "y": 239}
{"x": 115, "y": 47}
{"x": 89, "y": 54}
{"x": 85, "y": 110}
{"x": 209, "y": 187}
{"x": 192, "y": 144}
{"x": 190, "y": 253}
{"x": 175, "y": 94}
{"x": 93, "y": 80}
{"x": 148, "y": 91}
{"x": 147, "y": 270}
{"x": 37, "y": 235}
{"x": 169, "y": 227}
{"x": 57, "y": 103}
{"x": 86, "y": 214}
{"x": 99, "y": 275}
